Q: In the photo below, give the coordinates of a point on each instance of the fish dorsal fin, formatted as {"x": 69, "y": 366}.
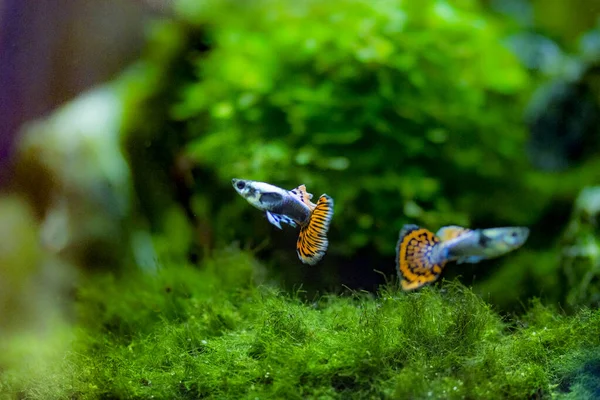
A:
{"x": 451, "y": 232}
{"x": 301, "y": 193}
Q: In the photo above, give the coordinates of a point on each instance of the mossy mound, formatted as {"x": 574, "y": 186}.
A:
{"x": 213, "y": 333}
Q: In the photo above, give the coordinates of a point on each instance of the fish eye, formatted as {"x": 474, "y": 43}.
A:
{"x": 240, "y": 185}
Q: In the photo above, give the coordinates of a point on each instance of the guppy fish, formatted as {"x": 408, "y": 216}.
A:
{"x": 421, "y": 255}
{"x": 293, "y": 207}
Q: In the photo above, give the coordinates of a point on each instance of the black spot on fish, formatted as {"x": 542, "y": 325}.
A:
{"x": 271, "y": 198}
{"x": 484, "y": 240}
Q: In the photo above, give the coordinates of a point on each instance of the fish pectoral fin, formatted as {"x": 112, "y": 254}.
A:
{"x": 274, "y": 219}
{"x": 470, "y": 259}
{"x": 277, "y": 219}
{"x": 301, "y": 193}
{"x": 288, "y": 220}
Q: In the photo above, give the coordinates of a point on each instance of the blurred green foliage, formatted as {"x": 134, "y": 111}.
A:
{"x": 399, "y": 111}
{"x": 580, "y": 253}
{"x": 566, "y": 20}
{"x": 563, "y": 270}
{"x": 402, "y": 112}
{"x": 213, "y": 333}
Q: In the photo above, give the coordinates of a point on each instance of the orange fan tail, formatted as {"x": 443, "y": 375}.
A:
{"x": 312, "y": 241}
{"x": 417, "y": 258}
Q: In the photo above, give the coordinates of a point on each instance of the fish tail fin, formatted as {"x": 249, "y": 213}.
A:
{"x": 312, "y": 241}
{"x": 416, "y": 261}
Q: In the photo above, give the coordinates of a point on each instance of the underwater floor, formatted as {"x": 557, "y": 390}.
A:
{"x": 214, "y": 333}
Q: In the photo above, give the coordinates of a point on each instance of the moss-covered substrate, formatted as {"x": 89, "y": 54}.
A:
{"x": 191, "y": 333}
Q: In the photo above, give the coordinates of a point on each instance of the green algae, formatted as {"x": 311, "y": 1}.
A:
{"x": 215, "y": 332}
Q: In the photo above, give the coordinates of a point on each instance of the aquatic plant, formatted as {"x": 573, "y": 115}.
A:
{"x": 407, "y": 113}
{"x": 402, "y": 114}
{"x": 213, "y": 333}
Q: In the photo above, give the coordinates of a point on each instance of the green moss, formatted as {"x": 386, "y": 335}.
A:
{"x": 213, "y": 333}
